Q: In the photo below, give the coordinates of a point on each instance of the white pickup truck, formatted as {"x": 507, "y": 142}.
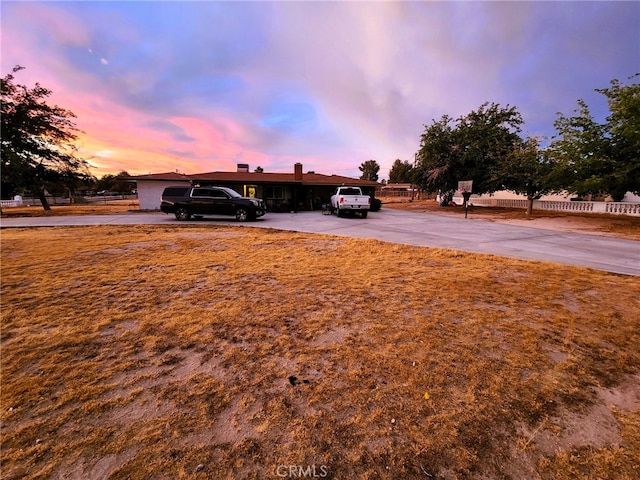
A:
{"x": 350, "y": 199}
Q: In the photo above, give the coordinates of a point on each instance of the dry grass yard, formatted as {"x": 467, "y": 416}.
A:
{"x": 101, "y": 207}
{"x": 233, "y": 353}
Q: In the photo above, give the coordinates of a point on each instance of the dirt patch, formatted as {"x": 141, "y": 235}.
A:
{"x": 597, "y": 427}
{"x": 107, "y": 207}
{"x": 625, "y": 396}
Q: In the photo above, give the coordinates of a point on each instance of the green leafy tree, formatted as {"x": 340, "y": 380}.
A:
{"x": 470, "y": 148}
{"x": 527, "y": 170}
{"x": 37, "y": 139}
{"x": 106, "y": 182}
{"x": 624, "y": 120}
{"x": 401, "y": 172}
{"x": 115, "y": 183}
{"x": 438, "y": 155}
{"x": 122, "y": 185}
{"x": 369, "y": 170}
{"x": 601, "y": 157}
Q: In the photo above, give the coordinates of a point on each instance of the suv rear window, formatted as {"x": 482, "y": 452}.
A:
{"x": 175, "y": 191}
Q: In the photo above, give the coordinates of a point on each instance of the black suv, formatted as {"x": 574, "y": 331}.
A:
{"x": 184, "y": 202}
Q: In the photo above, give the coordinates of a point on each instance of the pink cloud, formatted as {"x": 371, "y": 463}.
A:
{"x": 55, "y": 25}
{"x": 132, "y": 143}
{"x": 33, "y": 38}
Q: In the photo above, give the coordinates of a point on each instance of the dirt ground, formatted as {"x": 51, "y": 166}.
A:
{"x": 620, "y": 226}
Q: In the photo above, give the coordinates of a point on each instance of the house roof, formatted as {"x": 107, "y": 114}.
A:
{"x": 256, "y": 178}
{"x": 160, "y": 177}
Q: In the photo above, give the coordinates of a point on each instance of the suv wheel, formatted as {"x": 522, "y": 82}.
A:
{"x": 182, "y": 214}
{"x": 241, "y": 215}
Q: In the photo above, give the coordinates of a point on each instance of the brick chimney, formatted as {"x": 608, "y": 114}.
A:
{"x": 297, "y": 172}
{"x": 243, "y": 167}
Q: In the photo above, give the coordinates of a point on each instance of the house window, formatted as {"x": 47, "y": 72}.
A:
{"x": 274, "y": 193}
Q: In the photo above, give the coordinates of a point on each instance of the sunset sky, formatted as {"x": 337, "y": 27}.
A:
{"x": 201, "y": 86}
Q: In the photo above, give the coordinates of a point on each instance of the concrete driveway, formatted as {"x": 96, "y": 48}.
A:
{"x": 411, "y": 228}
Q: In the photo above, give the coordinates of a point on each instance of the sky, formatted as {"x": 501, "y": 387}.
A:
{"x": 201, "y": 86}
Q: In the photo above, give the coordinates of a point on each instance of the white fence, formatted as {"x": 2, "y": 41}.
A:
{"x": 35, "y": 201}
{"x": 615, "y": 208}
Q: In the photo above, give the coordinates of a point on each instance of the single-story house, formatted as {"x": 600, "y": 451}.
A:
{"x": 282, "y": 192}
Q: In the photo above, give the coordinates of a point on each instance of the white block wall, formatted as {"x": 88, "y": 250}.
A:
{"x": 149, "y": 192}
